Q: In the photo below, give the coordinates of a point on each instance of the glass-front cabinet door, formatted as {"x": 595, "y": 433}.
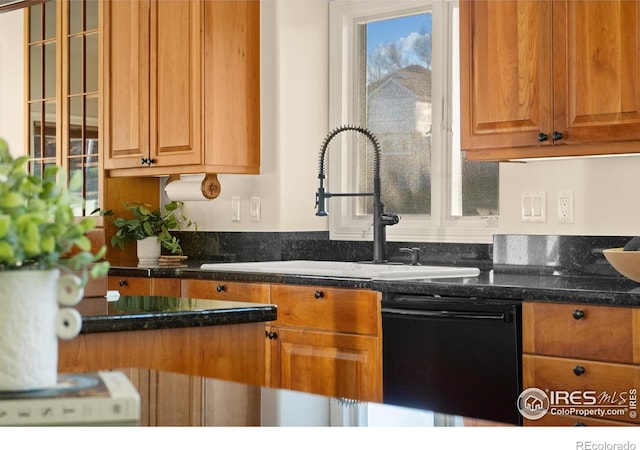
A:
{"x": 63, "y": 94}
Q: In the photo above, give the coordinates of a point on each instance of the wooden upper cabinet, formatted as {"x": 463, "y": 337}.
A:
{"x": 505, "y": 50}
{"x": 597, "y": 44}
{"x": 182, "y": 87}
{"x": 231, "y": 77}
{"x": 152, "y": 84}
{"x": 543, "y": 79}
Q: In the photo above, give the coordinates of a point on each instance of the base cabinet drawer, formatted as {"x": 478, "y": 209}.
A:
{"x": 226, "y": 290}
{"x": 601, "y": 333}
{"x": 325, "y": 308}
{"x": 604, "y": 390}
{"x": 169, "y": 287}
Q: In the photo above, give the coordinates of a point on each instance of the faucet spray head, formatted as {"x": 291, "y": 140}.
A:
{"x": 320, "y": 197}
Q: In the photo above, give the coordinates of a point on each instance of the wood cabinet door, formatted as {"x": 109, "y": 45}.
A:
{"x": 153, "y": 84}
{"x": 332, "y": 364}
{"x": 596, "y": 52}
{"x": 126, "y": 83}
{"x": 176, "y": 91}
{"x": 505, "y": 73}
{"x": 232, "y": 86}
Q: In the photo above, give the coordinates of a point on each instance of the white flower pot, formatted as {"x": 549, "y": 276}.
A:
{"x": 30, "y": 324}
{"x": 148, "y": 251}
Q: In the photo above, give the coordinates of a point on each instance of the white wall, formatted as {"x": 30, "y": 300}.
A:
{"x": 605, "y": 195}
{"x": 11, "y": 80}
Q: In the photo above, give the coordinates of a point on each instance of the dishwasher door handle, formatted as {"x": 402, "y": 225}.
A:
{"x": 443, "y": 314}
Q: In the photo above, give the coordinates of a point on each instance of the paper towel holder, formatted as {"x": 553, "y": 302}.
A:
{"x": 210, "y": 186}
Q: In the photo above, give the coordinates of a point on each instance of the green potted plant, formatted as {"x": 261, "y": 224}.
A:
{"x": 39, "y": 239}
{"x": 150, "y": 227}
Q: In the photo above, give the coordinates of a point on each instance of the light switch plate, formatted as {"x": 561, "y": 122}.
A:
{"x": 534, "y": 206}
{"x": 254, "y": 211}
{"x": 235, "y": 209}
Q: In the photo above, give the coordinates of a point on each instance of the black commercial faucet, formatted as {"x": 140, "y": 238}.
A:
{"x": 380, "y": 219}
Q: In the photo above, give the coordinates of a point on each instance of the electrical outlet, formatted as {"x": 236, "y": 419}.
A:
{"x": 565, "y": 206}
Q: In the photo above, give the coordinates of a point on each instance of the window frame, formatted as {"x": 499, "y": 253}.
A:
{"x": 344, "y": 73}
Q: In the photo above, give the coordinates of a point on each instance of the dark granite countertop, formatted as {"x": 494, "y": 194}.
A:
{"x": 131, "y": 313}
{"x": 491, "y": 283}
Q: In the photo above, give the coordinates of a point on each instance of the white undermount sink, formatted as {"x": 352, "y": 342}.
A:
{"x": 344, "y": 269}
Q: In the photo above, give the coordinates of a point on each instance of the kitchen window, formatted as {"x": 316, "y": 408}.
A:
{"x": 394, "y": 69}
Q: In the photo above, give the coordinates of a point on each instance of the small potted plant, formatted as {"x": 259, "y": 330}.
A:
{"x": 150, "y": 229}
{"x": 39, "y": 238}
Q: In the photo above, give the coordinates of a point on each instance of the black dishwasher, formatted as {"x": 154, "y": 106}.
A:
{"x": 458, "y": 356}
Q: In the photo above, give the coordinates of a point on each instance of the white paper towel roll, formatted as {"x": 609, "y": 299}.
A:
{"x": 194, "y": 188}
{"x": 68, "y": 323}
{"x": 185, "y": 190}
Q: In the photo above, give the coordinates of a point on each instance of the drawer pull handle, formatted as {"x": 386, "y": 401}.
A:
{"x": 578, "y": 314}
{"x": 318, "y": 294}
{"x": 271, "y": 334}
{"x": 221, "y": 288}
{"x": 122, "y": 282}
{"x": 579, "y": 370}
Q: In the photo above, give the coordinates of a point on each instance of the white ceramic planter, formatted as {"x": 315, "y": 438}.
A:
{"x": 30, "y": 324}
{"x": 148, "y": 251}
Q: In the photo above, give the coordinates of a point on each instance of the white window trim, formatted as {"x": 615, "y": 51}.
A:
{"x": 344, "y": 224}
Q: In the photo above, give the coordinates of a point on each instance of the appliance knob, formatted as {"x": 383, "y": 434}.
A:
{"x": 318, "y": 294}
{"x": 578, "y": 314}
{"x": 579, "y": 370}
{"x": 542, "y": 137}
{"x": 221, "y": 288}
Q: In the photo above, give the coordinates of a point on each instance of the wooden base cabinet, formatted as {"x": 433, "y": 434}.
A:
{"x": 585, "y": 358}
{"x": 325, "y": 341}
{"x": 174, "y": 399}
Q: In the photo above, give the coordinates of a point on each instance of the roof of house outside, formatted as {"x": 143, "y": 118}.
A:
{"x": 414, "y": 78}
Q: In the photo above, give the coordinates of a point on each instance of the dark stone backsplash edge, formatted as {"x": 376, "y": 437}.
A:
{"x": 544, "y": 254}
{"x": 316, "y": 245}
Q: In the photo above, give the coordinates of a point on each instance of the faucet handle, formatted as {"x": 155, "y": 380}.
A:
{"x": 415, "y": 254}
{"x": 389, "y": 219}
